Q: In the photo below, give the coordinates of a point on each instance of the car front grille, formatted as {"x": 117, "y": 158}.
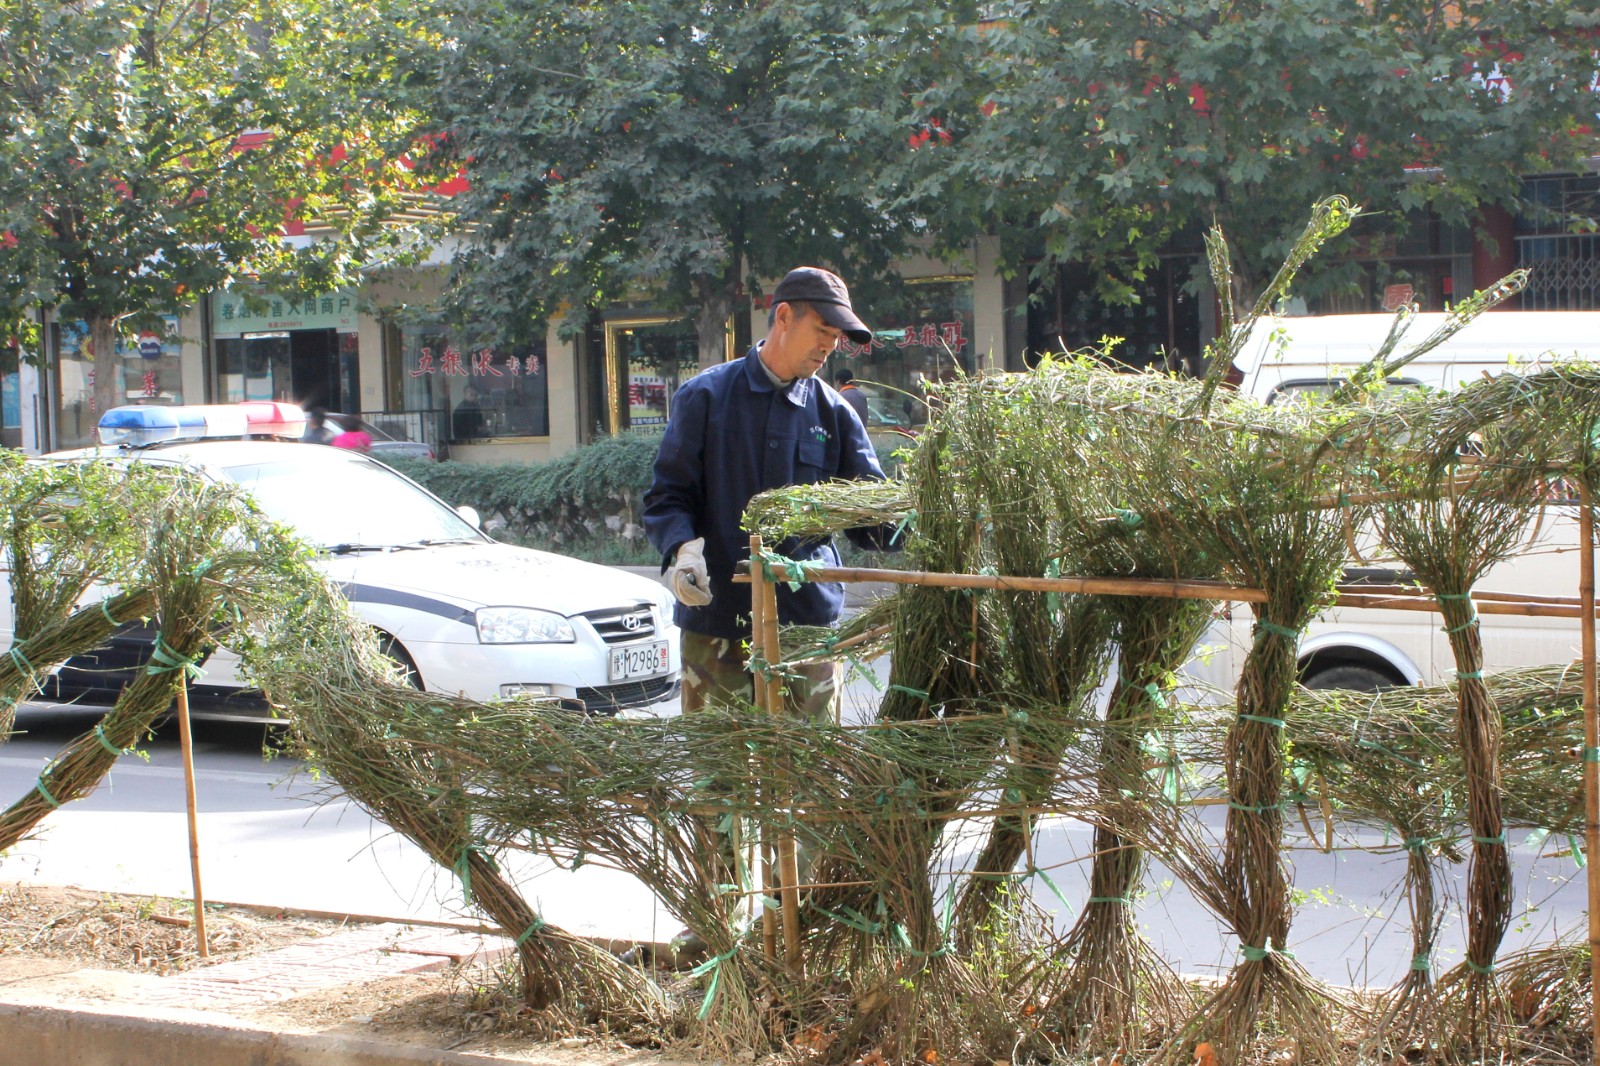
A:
{"x": 613, "y": 624}
{"x": 609, "y": 699}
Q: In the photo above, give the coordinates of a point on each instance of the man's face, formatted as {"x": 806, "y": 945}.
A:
{"x": 798, "y": 344}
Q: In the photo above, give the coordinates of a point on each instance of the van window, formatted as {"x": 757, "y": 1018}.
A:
{"x": 1318, "y": 390}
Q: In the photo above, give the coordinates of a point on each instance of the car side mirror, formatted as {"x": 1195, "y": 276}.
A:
{"x": 471, "y": 515}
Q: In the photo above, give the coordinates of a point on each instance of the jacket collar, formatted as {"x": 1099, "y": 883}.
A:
{"x": 755, "y": 373}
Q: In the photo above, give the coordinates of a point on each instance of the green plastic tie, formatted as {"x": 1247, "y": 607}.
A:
{"x": 1255, "y": 954}
{"x": 538, "y": 926}
{"x": 1468, "y": 624}
{"x": 1484, "y": 970}
{"x": 1453, "y": 596}
{"x": 1575, "y": 842}
{"x": 22, "y": 661}
{"x": 1276, "y": 723}
{"x": 1490, "y": 841}
{"x": 1469, "y": 675}
{"x": 1278, "y": 631}
{"x": 1418, "y": 843}
{"x": 713, "y": 966}
{"x": 1255, "y": 810}
{"x": 1591, "y": 754}
{"x": 1130, "y": 519}
{"x": 920, "y": 694}
{"x": 1422, "y": 963}
{"x": 107, "y": 612}
{"x": 100, "y": 735}
{"x": 202, "y": 568}
{"x": 1157, "y": 697}
{"x": 45, "y": 792}
{"x": 164, "y": 659}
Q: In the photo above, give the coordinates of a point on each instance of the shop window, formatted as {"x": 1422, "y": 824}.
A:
{"x": 925, "y": 335}
{"x": 150, "y": 365}
{"x": 488, "y": 391}
{"x": 647, "y": 359}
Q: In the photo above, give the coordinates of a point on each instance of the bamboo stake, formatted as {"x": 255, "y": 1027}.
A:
{"x": 768, "y": 642}
{"x": 1387, "y": 598}
{"x": 769, "y": 919}
{"x": 1591, "y": 751}
{"x": 186, "y": 745}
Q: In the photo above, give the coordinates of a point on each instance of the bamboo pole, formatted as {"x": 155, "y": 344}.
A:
{"x": 788, "y": 862}
{"x": 1393, "y": 598}
{"x": 1591, "y": 752}
{"x": 186, "y": 747}
{"x": 769, "y": 919}
{"x": 770, "y": 692}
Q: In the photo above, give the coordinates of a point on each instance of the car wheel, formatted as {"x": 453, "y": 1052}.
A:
{"x": 392, "y": 649}
{"x": 1352, "y": 677}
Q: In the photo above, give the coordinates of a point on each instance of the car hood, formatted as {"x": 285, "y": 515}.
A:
{"x": 495, "y": 575}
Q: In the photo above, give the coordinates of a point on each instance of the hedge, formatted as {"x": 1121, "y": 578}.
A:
{"x": 586, "y": 503}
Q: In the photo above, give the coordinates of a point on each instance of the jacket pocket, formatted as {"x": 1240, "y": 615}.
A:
{"x": 810, "y": 460}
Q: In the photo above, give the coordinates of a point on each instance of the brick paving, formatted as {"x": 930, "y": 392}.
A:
{"x": 346, "y": 958}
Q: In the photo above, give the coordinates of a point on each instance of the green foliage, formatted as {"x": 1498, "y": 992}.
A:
{"x": 685, "y": 149}
{"x": 561, "y": 504}
{"x": 151, "y": 152}
{"x": 1100, "y": 131}
{"x": 564, "y": 504}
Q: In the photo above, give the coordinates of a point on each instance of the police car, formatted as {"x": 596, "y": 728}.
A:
{"x": 462, "y": 613}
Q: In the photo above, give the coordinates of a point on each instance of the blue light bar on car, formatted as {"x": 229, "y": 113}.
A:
{"x": 140, "y": 425}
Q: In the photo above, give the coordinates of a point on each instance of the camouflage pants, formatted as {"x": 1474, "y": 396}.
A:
{"x": 714, "y": 673}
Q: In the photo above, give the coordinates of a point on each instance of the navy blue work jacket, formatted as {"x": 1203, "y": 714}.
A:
{"x": 732, "y": 434}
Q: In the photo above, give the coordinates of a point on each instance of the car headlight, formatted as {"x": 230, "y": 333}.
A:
{"x": 664, "y": 605}
{"x": 522, "y": 625}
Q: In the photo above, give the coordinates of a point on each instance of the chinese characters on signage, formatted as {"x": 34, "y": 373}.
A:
{"x": 232, "y": 314}
{"x": 481, "y": 362}
{"x": 948, "y": 337}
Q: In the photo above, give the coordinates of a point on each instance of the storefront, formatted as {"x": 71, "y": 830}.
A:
{"x": 300, "y": 348}
{"x": 358, "y": 352}
{"x": 151, "y": 365}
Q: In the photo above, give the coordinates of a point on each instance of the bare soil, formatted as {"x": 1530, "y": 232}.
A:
{"x": 79, "y": 947}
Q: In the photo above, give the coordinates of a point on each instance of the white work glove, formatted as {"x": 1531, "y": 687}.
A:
{"x": 687, "y": 576}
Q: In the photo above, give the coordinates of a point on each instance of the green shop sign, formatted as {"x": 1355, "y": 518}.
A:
{"x": 233, "y": 314}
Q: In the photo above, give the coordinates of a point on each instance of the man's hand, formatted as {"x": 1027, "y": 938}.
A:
{"x": 687, "y": 577}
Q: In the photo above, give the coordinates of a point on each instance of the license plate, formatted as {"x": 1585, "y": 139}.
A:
{"x": 640, "y": 660}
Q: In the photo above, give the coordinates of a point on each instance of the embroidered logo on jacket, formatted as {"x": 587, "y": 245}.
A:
{"x": 819, "y": 433}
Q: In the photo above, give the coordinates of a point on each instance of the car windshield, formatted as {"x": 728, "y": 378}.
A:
{"x": 356, "y": 504}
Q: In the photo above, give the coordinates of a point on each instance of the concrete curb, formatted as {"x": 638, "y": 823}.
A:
{"x": 85, "y": 1036}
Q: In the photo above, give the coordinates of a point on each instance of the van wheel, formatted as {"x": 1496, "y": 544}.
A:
{"x": 392, "y": 649}
{"x": 1351, "y": 677}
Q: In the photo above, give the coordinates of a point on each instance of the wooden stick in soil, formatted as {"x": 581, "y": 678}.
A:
{"x": 1591, "y": 750}
{"x": 770, "y": 687}
{"x": 769, "y": 918}
{"x": 186, "y": 743}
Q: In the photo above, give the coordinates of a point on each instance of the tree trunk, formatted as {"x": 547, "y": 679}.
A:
{"x": 108, "y": 391}
{"x": 714, "y": 304}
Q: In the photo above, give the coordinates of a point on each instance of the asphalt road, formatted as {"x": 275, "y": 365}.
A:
{"x": 272, "y": 834}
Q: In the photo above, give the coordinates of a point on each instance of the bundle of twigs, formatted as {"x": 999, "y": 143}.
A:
{"x": 193, "y": 556}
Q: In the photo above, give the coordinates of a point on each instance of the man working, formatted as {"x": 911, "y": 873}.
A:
{"x": 758, "y": 423}
{"x": 845, "y": 381}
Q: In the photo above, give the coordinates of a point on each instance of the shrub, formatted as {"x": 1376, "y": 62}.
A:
{"x": 584, "y": 503}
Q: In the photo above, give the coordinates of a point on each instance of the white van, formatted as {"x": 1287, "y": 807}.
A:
{"x": 1370, "y": 649}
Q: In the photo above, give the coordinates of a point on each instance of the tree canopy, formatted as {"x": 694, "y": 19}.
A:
{"x": 670, "y": 146}
{"x": 1098, "y": 131}
{"x": 151, "y": 152}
